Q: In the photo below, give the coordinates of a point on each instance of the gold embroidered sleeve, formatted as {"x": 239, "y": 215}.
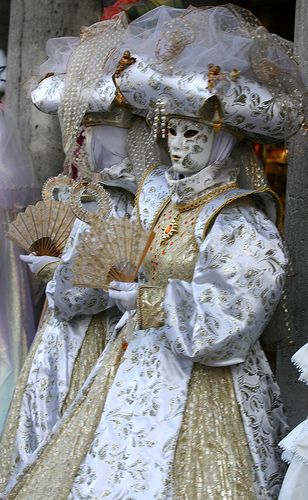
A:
{"x": 46, "y": 272}
{"x": 150, "y": 307}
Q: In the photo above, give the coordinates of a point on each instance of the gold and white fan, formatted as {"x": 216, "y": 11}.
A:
{"x": 58, "y": 188}
{"x": 83, "y": 191}
{"x": 77, "y": 194}
{"x": 43, "y": 228}
{"x": 113, "y": 250}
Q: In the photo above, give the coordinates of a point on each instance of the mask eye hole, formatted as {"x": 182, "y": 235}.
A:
{"x": 190, "y": 133}
{"x": 172, "y": 131}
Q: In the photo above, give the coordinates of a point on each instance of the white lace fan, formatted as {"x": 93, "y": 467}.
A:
{"x": 42, "y": 228}
{"x": 113, "y": 249}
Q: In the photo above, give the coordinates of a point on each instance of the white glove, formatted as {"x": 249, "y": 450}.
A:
{"x": 36, "y": 263}
{"x": 124, "y": 295}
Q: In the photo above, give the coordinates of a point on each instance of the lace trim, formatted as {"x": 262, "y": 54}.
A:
{"x": 294, "y": 453}
{"x": 301, "y": 370}
{"x": 102, "y": 198}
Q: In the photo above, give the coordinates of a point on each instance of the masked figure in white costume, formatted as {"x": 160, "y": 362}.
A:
{"x": 182, "y": 402}
{"x": 79, "y": 321}
{"x": 295, "y": 445}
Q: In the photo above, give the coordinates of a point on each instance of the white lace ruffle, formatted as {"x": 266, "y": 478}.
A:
{"x": 300, "y": 360}
{"x": 295, "y": 444}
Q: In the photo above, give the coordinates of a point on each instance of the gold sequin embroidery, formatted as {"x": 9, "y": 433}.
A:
{"x": 212, "y": 459}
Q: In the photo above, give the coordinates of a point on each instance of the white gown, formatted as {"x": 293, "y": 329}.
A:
{"x": 295, "y": 445}
{"x": 46, "y": 379}
{"x": 184, "y": 405}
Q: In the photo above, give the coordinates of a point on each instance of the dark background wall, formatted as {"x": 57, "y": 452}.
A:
{"x": 4, "y": 23}
{"x": 277, "y": 15}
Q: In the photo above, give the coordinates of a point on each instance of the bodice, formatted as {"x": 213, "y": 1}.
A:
{"x": 174, "y": 257}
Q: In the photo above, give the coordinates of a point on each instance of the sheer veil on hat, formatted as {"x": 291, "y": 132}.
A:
{"x": 187, "y": 56}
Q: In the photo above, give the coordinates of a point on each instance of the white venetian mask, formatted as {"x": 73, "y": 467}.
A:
{"x": 190, "y": 144}
{"x": 2, "y": 71}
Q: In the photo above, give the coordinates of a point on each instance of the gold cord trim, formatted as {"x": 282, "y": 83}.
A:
{"x": 238, "y": 197}
{"x": 139, "y": 313}
{"x": 278, "y": 203}
{"x": 159, "y": 211}
{"x": 207, "y": 197}
{"x": 195, "y": 204}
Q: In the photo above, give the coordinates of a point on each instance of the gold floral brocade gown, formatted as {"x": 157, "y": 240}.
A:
{"x": 212, "y": 459}
{"x": 154, "y": 422}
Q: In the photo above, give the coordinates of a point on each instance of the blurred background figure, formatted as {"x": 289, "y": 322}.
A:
{"x": 17, "y": 190}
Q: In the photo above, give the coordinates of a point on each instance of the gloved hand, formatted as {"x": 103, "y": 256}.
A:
{"x": 124, "y": 295}
{"x": 36, "y": 262}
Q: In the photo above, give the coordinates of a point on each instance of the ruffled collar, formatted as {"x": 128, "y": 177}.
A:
{"x": 119, "y": 175}
{"x": 191, "y": 188}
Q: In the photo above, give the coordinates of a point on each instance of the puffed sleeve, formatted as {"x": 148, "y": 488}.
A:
{"x": 48, "y": 94}
{"x": 237, "y": 283}
{"x": 46, "y": 272}
{"x": 70, "y": 301}
{"x": 66, "y": 299}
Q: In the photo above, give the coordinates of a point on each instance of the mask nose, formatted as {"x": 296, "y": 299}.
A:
{"x": 177, "y": 142}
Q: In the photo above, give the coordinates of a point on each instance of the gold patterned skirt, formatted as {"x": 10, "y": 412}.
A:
{"x": 212, "y": 460}
{"x": 91, "y": 348}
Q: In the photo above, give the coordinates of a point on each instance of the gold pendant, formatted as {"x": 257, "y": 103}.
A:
{"x": 170, "y": 229}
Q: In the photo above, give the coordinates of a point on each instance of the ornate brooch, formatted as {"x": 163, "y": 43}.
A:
{"x": 170, "y": 229}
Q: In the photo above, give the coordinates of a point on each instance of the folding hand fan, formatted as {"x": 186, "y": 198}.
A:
{"x": 113, "y": 249}
{"x": 43, "y": 228}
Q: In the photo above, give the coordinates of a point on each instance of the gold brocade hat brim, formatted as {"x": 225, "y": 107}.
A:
{"x": 240, "y": 104}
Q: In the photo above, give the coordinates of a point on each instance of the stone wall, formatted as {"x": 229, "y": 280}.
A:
{"x": 295, "y": 393}
{"x": 32, "y": 23}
